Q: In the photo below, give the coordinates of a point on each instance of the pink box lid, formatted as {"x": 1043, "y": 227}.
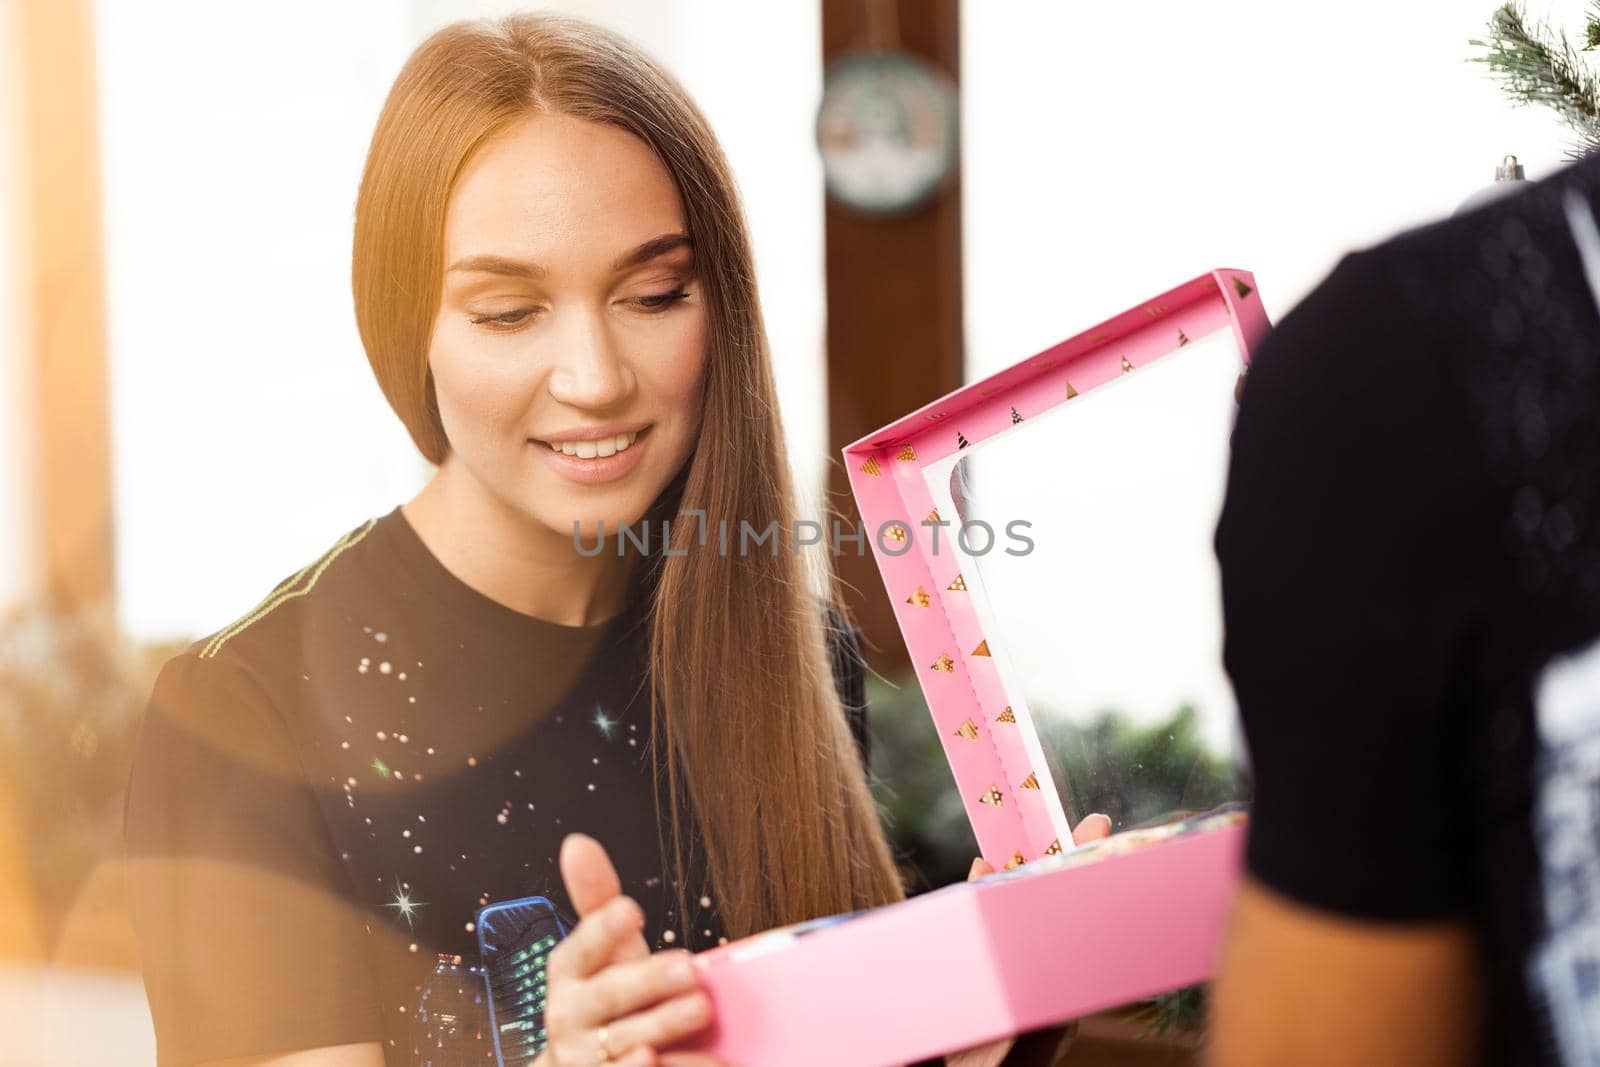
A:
{"x": 992, "y": 748}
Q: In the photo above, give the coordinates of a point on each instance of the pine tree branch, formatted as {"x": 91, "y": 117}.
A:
{"x": 1536, "y": 66}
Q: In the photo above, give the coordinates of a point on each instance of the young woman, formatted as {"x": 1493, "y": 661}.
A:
{"x": 554, "y": 286}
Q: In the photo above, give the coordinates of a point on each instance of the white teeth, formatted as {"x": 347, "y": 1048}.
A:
{"x": 607, "y": 446}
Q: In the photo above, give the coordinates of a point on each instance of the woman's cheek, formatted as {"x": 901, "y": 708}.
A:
{"x": 690, "y": 372}
{"x": 482, "y": 394}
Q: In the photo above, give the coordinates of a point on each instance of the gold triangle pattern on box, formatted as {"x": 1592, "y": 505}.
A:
{"x": 1127, "y": 368}
{"x": 920, "y": 598}
{"x": 993, "y": 797}
{"x": 944, "y": 663}
{"x": 982, "y": 649}
{"x": 969, "y": 730}
{"x": 1241, "y": 288}
{"x": 1183, "y": 338}
{"x": 1015, "y": 418}
{"x": 961, "y": 440}
{"x": 1015, "y": 861}
{"x": 871, "y": 467}
{"x": 958, "y": 586}
{"x": 907, "y": 455}
{"x": 933, "y": 516}
{"x": 1071, "y": 392}
{"x": 1006, "y": 716}
{"x": 898, "y": 533}
{"x": 1054, "y": 849}
{"x": 1031, "y": 782}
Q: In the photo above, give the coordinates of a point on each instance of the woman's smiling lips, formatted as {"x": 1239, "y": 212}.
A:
{"x": 595, "y": 455}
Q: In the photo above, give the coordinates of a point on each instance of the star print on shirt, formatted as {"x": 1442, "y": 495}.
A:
{"x": 406, "y": 907}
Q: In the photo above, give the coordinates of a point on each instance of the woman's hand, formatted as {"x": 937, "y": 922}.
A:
{"x": 1092, "y": 828}
{"x": 610, "y": 1000}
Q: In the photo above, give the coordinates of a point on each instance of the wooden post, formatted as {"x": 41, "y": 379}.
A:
{"x": 894, "y": 302}
{"x": 65, "y": 258}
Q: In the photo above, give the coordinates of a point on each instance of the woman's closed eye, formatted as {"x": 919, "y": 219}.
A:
{"x": 661, "y": 301}
{"x": 503, "y": 320}
{"x": 655, "y": 303}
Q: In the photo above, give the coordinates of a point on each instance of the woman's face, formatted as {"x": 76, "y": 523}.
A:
{"x": 570, "y": 346}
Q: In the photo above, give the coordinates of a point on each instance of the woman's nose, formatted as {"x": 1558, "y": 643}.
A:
{"x": 589, "y": 370}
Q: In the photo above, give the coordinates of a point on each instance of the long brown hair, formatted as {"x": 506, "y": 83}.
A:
{"x": 748, "y": 728}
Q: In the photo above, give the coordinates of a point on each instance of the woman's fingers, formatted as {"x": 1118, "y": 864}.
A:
{"x": 591, "y": 882}
{"x": 690, "y": 1059}
{"x": 595, "y": 940}
{"x": 625, "y": 988}
{"x": 983, "y": 1056}
{"x": 667, "y": 1023}
{"x": 1092, "y": 828}
{"x": 641, "y": 1056}
{"x": 590, "y": 878}
{"x": 603, "y": 972}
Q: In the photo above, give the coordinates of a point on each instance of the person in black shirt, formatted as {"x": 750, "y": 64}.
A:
{"x": 1410, "y": 555}
{"x": 336, "y": 794}
{"x": 554, "y": 286}
{"x": 328, "y": 792}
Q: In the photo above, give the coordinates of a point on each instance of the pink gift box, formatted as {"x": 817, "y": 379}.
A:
{"x": 1059, "y": 932}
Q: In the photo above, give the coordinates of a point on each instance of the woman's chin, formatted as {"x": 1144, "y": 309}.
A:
{"x": 605, "y": 531}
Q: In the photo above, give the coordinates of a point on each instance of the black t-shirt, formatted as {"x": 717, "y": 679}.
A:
{"x": 1410, "y": 554}
{"x": 327, "y": 792}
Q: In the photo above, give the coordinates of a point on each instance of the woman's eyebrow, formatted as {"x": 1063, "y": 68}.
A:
{"x": 521, "y": 268}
